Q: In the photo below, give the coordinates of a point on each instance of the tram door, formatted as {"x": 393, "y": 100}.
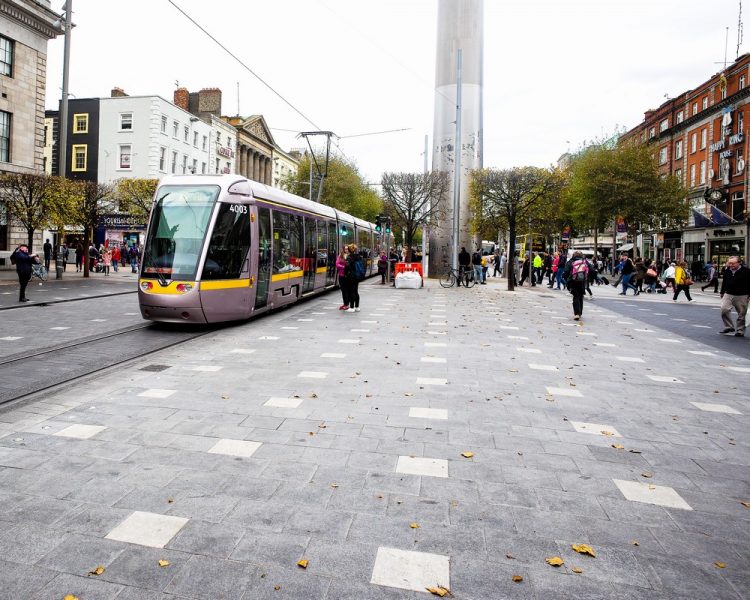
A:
{"x": 333, "y": 253}
{"x": 264, "y": 257}
{"x": 310, "y": 261}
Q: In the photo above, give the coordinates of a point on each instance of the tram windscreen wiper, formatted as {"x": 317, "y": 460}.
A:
{"x": 160, "y": 276}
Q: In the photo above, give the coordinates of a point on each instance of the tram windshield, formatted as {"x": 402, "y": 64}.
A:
{"x": 178, "y": 226}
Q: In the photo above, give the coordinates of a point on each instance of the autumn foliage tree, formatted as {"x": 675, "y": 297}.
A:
{"x": 28, "y": 200}
{"x": 135, "y": 196}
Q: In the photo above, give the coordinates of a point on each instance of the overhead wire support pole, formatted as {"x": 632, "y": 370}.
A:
{"x": 322, "y": 173}
{"x": 457, "y": 163}
{"x": 62, "y": 158}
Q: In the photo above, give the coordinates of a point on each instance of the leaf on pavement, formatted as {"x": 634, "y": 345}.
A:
{"x": 719, "y": 565}
{"x": 635, "y": 543}
{"x": 577, "y": 570}
{"x": 635, "y": 451}
{"x": 276, "y": 588}
{"x": 605, "y": 432}
{"x": 745, "y": 504}
{"x": 70, "y": 597}
{"x": 517, "y": 578}
{"x": 510, "y": 556}
{"x": 163, "y": 563}
{"x": 618, "y": 446}
{"x": 302, "y": 563}
{"x": 583, "y": 549}
{"x": 97, "y": 571}
{"x": 438, "y": 591}
{"x": 555, "y": 561}
{"x": 467, "y": 454}
{"x": 414, "y": 525}
{"x": 334, "y": 485}
{"x": 647, "y": 474}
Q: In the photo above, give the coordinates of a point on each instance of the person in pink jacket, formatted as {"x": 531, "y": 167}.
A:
{"x": 340, "y": 266}
{"x": 106, "y": 260}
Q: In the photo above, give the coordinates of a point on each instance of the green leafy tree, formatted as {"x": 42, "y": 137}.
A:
{"x": 507, "y": 197}
{"x": 135, "y": 196}
{"x": 27, "y": 200}
{"x": 414, "y": 199}
{"x": 89, "y": 201}
{"x": 344, "y": 187}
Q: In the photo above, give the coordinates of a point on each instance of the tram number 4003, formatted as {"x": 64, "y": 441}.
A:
{"x": 238, "y": 208}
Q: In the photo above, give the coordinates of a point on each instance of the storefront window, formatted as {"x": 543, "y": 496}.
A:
{"x": 723, "y": 249}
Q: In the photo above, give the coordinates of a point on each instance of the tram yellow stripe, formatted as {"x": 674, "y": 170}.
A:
{"x": 224, "y": 284}
{"x": 321, "y": 270}
{"x": 285, "y": 276}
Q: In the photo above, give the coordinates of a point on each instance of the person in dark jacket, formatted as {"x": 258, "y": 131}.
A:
{"x": 23, "y": 261}
{"x": 735, "y": 293}
{"x": 464, "y": 264}
{"x": 47, "y": 254}
{"x": 577, "y": 284}
{"x": 350, "y": 273}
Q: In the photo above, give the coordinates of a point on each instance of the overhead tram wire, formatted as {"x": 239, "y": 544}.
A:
{"x": 243, "y": 65}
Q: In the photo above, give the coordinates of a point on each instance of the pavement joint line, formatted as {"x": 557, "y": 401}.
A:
{"x": 33, "y": 304}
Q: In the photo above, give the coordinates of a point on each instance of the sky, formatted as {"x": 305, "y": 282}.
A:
{"x": 557, "y": 73}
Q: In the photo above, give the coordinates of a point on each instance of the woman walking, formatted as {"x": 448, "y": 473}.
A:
{"x": 682, "y": 281}
{"x": 353, "y": 273}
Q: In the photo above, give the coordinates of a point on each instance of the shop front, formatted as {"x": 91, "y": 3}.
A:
{"x": 695, "y": 247}
{"x": 120, "y": 230}
{"x": 671, "y": 247}
{"x": 724, "y": 242}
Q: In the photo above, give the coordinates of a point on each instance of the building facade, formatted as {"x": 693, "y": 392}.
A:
{"x": 255, "y": 146}
{"x": 25, "y": 28}
{"x": 285, "y": 164}
{"x": 699, "y": 137}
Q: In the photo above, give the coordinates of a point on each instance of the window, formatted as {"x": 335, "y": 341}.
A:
{"x": 738, "y": 206}
{"x": 203, "y": 168}
{"x": 194, "y": 168}
{"x": 162, "y": 159}
{"x": 678, "y": 150}
{"x": 187, "y": 133}
{"x": 218, "y": 139}
{"x": 228, "y": 249}
{"x": 81, "y": 123}
{"x": 695, "y": 108}
{"x": 693, "y": 142}
{"x": 184, "y": 164}
{"x": 287, "y": 242}
{"x": 80, "y": 153}
{"x": 6, "y": 56}
{"x": 681, "y": 116}
{"x": 175, "y": 128}
{"x": 692, "y": 175}
{"x": 195, "y": 139}
{"x": 126, "y": 121}
{"x": 663, "y": 125}
{"x": 5, "y": 120}
{"x": 704, "y": 138}
{"x": 704, "y": 103}
{"x": 703, "y": 172}
{"x": 164, "y": 124}
{"x": 742, "y": 82}
{"x": 125, "y": 155}
{"x": 678, "y": 174}
{"x": 663, "y": 155}
{"x": 205, "y": 142}
{"x": 217, "y": 165}
{"x": 652, "y": 132}
{"x": 174, "y": 162}
{"x": 228, "y": 168}
{"x": 723, "y": 90}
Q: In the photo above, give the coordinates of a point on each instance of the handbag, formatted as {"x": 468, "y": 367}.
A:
{"x": 687, "y": 281}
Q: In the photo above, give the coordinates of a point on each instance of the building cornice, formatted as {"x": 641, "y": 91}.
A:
{"x": 36, "y": 17}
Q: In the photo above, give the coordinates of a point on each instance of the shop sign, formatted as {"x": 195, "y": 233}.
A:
{"x": 736, "y": 138}
{"x": 716, "y": 146}
{"x": 121, "y": 221}
{"x": 565, "y": 233}
{"x": 726, "y": 154}
{"x": 723, "y": 232}
{"x": 225, "y": 151}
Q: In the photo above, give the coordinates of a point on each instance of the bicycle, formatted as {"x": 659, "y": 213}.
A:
{"x": 456, "y": 276}
{"x": 39, "y": 272}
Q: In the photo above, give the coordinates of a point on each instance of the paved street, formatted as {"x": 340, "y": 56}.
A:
{"x": 439, "y": 438}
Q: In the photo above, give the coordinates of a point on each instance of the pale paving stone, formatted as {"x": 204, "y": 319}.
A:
{"x": 11, "y": 338}
{"x": 556, "y": 391}
{"x": 207, "y": 368}
{"x": 283, "y": 402}
{"x": 740, "y": 369}
{"x": 664, "y": 379}
{"x": 157, "y": 393}
{"x": 431, "y": 381}
{"x": 633, "y": 359}
{"x": 313, "y": 375}
{"x": 147, "y": 529}
{"x": 333, "y": 355}
{"x": 529, "y": 350}
{"x": 701, "y": 353}
{"x": 348, "y": 341}
{"x": 649, "y": 493}
{"x": 409, "y": 570}
{"x": 82, "y": 432}
{"x": 432, "y": 359}
{"x": 605, "y": 345}
{"x": 594, "y": 428}
{"x": 585, "y": 333}
{"x": 538, "y": 367}
{"x": 428, "y": 413}
{"x": 229, "y": 447}
{"x": 669, "y": 340}
{"x": 242, "y": 351}
{"x": 416, "y": 465}
{"x": 268, "y": 337}
{"x": 59, "y": 328}
{"x": 517, "y": 337}
{"x": 720, "y": 408}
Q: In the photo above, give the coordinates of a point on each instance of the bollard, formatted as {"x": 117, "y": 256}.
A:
{"x": 59, "y": 262}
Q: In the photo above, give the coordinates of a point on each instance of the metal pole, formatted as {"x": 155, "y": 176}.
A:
{"x": 309, "y": 194}
{"x": 457, "y": 162}
{"x": 531, "y": 241}
{"x": 425, "y": 234}
{"x": 67, "y": 23}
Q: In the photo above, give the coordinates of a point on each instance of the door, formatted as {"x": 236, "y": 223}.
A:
{"x": 264, "y": 257}
{"x": 333, "y": 252}
{"x": 310, "y": 260}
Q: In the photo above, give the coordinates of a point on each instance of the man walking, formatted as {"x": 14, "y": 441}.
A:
{"x": 464, "y": 265}
{"x": 47, "y": 254}
{"x": 735, "y": 292}
{"x": 577, "y": 274}
{"x": 712, "y": 275}
{"x": 476, "y": 261}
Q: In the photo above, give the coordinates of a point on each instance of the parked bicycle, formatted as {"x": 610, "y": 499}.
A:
{"x": 458, "y": 277}
{"x": 39, "y": 272}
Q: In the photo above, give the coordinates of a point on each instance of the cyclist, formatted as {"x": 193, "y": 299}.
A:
{"x": 464, "y": 264}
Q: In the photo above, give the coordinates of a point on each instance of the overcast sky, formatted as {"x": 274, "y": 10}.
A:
{"x": 557, "y": 73}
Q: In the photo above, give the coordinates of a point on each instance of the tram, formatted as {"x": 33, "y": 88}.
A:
{"x": 225, "y": 248}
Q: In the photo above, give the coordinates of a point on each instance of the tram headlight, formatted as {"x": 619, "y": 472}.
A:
{"x": 146, "y": 286}
{"x": 183, "y": 288}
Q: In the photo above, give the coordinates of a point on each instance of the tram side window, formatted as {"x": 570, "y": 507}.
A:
{"x": 322, "y": 245}
{"x": 347, "y": 234}
{"x": 230, "y": 243}
{"x": 287, "y": 242}
{"x": 310, "y": 243}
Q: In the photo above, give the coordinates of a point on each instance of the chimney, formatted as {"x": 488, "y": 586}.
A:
{"x": 209, "y": 101}
{"x": 181, "y": 98}
{"x": 117, "y": 93}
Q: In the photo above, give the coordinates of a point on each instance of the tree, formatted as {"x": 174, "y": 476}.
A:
{"x": 621, "y": 181}
{"x": 506, "y": 197}
{"x": 414, "y": 199}
{"x": 90, "y": 200}
{"x": 136, "y": 195}
{"x": 343, "y": 188}
{"x": 27, "y": 200}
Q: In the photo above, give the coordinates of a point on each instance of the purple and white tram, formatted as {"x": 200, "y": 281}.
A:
{"x": 224, "y": 248}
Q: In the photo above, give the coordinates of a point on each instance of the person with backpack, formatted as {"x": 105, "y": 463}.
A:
{"x": 354, "y": 272}
{"x": 577, "y": 275}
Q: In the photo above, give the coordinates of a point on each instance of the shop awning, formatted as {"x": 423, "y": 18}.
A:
{"x": 625, "y": 248}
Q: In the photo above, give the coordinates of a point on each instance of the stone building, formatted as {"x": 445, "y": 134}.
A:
{"x": 25, "y": 28}
{"x": 255, "y": 146}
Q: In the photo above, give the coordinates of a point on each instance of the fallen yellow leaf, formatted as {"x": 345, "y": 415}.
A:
{"x": 467, "y": 454}
{"x": 170, "y": 500}
{"x": 618, "y": 446}
{"x": 555, "y": 561}
{"x": 276, "y": 588}
{"x": 745, "y": 504}
{"x": 438, "y": 591}
{"x": 583, "y": 549}
{"x": 517, "y": 578}
{"x": 70, "y": 597}
{"x": 719, "y": 565}
{"x": 414, "y": 525}
{"x": 302, "y": 563}
{"x": 577, "y": 570}
{"x": 510, "y": 556}
{"x": 334, "y": 485}
{"x": 635, "y": 543}
{"x": 605, "y": 432}
{"x": 97, "y": 571}
{"x": 647, "y": 474}
{"x": 163, "y": 563}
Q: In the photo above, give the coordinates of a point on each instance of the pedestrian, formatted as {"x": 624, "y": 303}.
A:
{"x": 640, "y": 273}
{"x": 23, "y": 260}
{"x": 382, "y": 266}
{"x": 735, "y": 293}
{"x": 476, "y": 262}
{"x": 354, "y": 272}
{"x": 553, "y": 269}
{"x": 668, "y": 275}
{"x": 116, "y": 258}
{"x": 65, "y": 254}
{"x": 485, "y": 268}
{"x": 712, "y": 277}
{"x": 497, "y": 271}
{"x": 106, "y": 260}
{"x": 682, "y": 280}
{"x": 525, "y": 269}
{"x": 47, "y": 254}
{"x": 133, "y": 255}
{"x": 652, "y": 276}
{"x": 576, "y": 275}
{"x": 503, "y": 264}
{"x": 561, "y": 262}
{"x": 79, "y": 257}
{"x": 343, "y": 284}
{"x": 464, "y": 265}
{"x": 93, "y": 256}
{"x": 627, "y": 269}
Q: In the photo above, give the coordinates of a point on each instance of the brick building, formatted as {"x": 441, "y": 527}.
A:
{"x": 699, "y": 136}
